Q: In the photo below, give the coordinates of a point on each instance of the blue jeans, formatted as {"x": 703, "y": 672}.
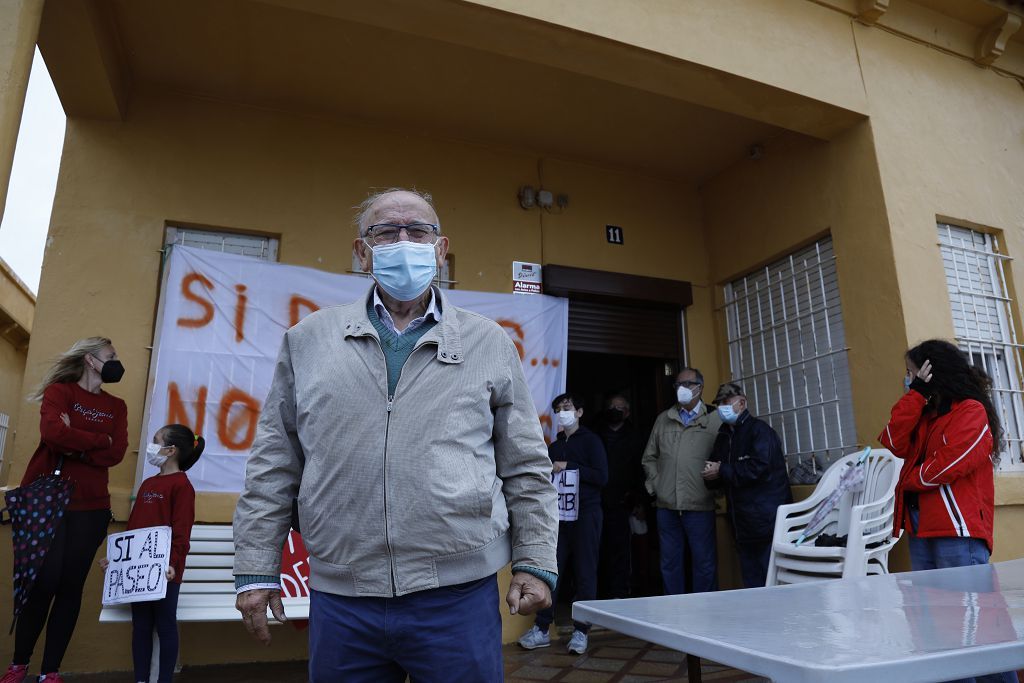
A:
{"x": 682, "y": 529}
{"x": 951, "y": 551}
{"x": 445, "y": 634}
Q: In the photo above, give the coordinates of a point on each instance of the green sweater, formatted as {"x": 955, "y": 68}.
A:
{"x": 397, "y": 347}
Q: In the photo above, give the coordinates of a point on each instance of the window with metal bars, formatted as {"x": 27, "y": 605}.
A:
{"x": 256, "y": 246}
{"x": 787, "y": 349}
{"x": 983, "y": 320}
{"x": 5, "y": 423}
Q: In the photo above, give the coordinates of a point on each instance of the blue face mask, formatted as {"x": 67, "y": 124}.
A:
{"x": 404, "y": 269}
{"x": 728, "y": 415}
{"x": 906, "y": 384}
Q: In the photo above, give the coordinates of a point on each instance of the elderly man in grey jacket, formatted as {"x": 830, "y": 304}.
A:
{"x": 405, "y": 428}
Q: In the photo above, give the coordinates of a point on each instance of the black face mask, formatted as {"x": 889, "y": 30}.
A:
{"x": 112, "y": 371}
{"x": 614, "y": 416}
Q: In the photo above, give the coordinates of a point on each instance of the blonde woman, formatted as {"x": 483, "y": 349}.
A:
{"x": 87, "y": 426}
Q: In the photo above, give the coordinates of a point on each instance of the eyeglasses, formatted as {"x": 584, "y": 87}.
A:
{"x": 686, "y": 383}
{"x": 389, "y": 233}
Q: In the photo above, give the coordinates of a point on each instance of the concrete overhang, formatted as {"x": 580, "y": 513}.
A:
{"x": 446, "y": 68}
{"x": 17, "y": 308}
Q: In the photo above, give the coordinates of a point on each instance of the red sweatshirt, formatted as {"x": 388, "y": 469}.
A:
{"x": 88, "y": 453}
{"x": 167, "y": 500}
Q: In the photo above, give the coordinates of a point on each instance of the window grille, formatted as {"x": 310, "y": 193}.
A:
{"x": 5, "y": 423}
{"x": 787, "y": 349}
{"x": 984, "y": 324}
{"x": 256, "y": 246}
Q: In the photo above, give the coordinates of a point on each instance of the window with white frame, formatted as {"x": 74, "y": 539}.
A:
{"x": 787, "y": 349}
{"x": 984, "y": 323}
{"x": 256, "y": 246}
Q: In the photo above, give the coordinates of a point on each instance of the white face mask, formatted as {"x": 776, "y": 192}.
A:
{"x": 567, "y": 418}
{"x": 153, "y": 455}
{"x": 684, "y": 395}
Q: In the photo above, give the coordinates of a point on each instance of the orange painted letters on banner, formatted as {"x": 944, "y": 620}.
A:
{"x": 240, "y": 305}
{"x": 295, "y": 307}
{"x": 176, "y": 412}
{"x": 187, "y": 293}
{"x": 237, "y": 429}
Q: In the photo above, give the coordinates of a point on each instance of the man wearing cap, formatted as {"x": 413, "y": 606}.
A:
{"x": 749, "y": 465}
{"x": 680, "y": 444}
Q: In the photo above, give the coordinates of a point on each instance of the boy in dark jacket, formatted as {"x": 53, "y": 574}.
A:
{"x": 749, "y": 464}
{"x": 576, "y": 448}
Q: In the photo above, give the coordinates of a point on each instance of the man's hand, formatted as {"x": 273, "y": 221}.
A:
{"x": 711, "y": 470}
{"x": 527, "y": 594}
{"x": 559, "y": 465}
{"x": 253, "y": 606}
{"x": 170, "y": 573}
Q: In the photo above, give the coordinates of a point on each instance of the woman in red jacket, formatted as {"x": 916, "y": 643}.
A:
{"x": 88, "y": 427}
{"x": 946, "y": 429}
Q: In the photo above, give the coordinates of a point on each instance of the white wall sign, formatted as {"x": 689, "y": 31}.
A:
{"x": 219, "y": 327}
{"x": 138, "y": 565}
{"x": 526, "y": 278}
{"x": 567, "y": 483}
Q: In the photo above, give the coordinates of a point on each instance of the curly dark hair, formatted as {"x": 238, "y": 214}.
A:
{"x": 190, "y": 446}
{"x": 955, "y": 379}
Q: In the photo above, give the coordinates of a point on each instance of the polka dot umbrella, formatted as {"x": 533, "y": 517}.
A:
{"x": 34, "y": 511}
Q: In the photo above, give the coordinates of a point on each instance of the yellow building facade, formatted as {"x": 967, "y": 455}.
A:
{"x": 721, "y": 135}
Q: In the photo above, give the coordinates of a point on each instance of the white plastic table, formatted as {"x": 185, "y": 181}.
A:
{"x": 916, "y": 627}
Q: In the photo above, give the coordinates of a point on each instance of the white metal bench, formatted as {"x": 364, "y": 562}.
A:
{"x": 208, "y": 589}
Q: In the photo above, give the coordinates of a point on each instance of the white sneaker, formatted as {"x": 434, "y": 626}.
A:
{"x": 578, "y": 642}
{"x": 535, "y": 638}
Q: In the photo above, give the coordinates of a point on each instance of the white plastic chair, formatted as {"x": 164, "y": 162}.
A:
{"x": 864, "y": 516}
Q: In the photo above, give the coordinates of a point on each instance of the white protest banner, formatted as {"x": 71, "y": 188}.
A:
{"x": 138, "y": 565}
{"x": 219, "y": 328}
{"x": 567, "y": 483}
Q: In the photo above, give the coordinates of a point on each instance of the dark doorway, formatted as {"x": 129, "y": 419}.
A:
{"x": 644, "y": 382}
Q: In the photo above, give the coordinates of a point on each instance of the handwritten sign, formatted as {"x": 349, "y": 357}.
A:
{"x": 567, "y": 482}
{"x": 138, "y": 565}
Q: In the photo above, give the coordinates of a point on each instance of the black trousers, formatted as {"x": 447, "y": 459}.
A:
{"x": 578, "y": 544}
{"x": 56, "y": 597}
{"x": 160, "y": 616}
{"x": 616, "y": 551}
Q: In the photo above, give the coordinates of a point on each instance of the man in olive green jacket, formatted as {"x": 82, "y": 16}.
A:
{"x": 680, "y": 444}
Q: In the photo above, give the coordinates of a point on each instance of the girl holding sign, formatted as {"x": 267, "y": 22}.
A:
{"x": 165, "y": 499}
{"x": 83, "y": 433}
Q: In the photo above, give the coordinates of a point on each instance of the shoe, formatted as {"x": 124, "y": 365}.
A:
{"x": 535, "y": 638}
{"x": 51, "y": 678}
{"x": 16, "y": 673}
{"x": 578, "y": 642}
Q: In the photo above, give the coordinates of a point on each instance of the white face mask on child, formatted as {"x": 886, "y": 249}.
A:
{"x": 153, "y": 455}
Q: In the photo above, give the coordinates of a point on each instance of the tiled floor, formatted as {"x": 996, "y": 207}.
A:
{"x": 612, "y": 658}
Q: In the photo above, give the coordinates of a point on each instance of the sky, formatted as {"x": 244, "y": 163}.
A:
{"x": 33, "y": 178}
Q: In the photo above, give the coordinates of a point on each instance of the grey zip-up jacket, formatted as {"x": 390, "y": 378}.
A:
{"x": 445, "y": 482}
{"x": 675, "y": 457}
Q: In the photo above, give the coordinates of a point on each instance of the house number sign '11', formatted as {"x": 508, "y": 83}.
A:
{"x": 613, "y": 233}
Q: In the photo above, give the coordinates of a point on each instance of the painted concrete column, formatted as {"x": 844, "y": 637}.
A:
{"x": 19, "y": 29}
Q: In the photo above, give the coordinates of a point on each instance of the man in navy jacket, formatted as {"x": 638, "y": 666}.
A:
{"x": 748, "y": 463}
{"x": 576, "y": 448}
